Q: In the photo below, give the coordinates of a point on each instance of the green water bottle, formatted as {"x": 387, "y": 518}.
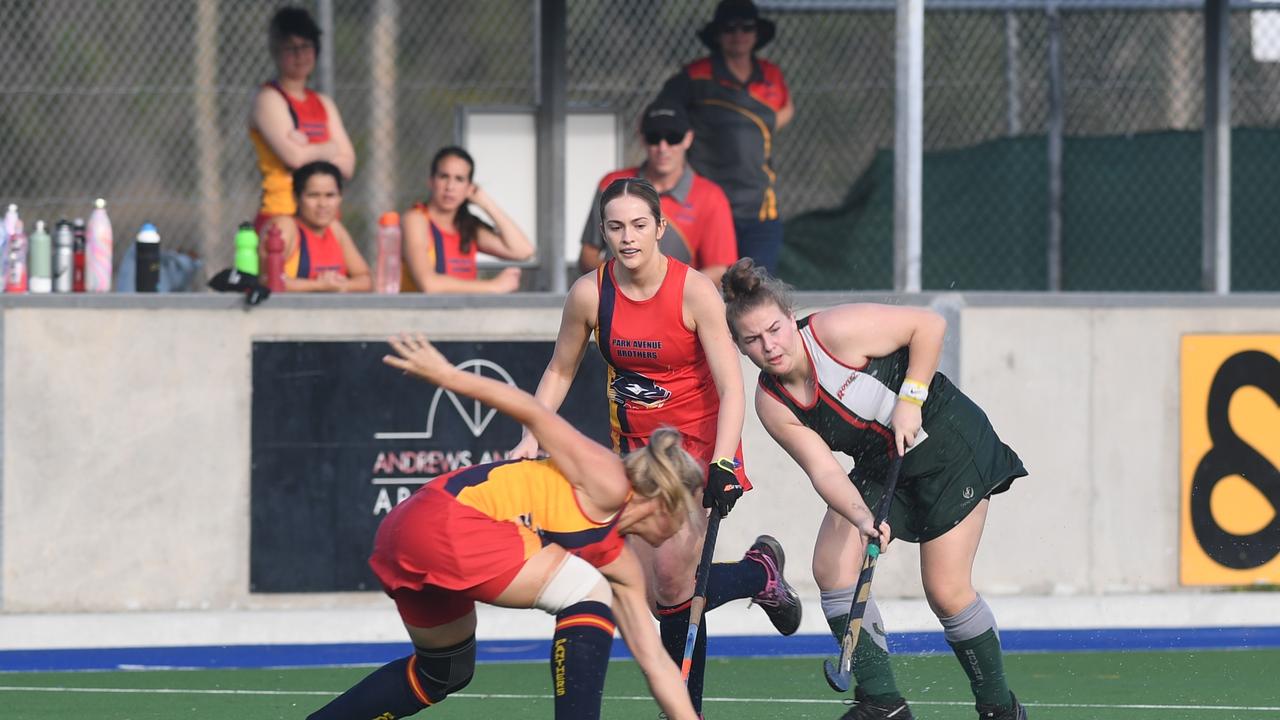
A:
{"x": 246, "y": 249}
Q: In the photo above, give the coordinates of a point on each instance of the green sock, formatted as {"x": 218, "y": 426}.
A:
{"x": 871, "y": 668}
{"x": 984, "y": 664}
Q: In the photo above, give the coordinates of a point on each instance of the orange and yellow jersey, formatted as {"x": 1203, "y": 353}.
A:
{"x": 535, "y": 496}
{"x": 312, "y": 119}
{"x": 314, "y": 254}
{"x": 657, "y": 372}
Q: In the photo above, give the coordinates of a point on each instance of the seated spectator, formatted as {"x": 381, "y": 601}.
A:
{"x": 699, "y": 221}
{"x": 319, "y": 253}
{"x": 442, "y": 237}
{"x": 292, "y": 125}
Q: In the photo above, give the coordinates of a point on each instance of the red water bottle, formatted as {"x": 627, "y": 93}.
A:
{"x": 275, "y": 260}
{"x": 77, "y": 257}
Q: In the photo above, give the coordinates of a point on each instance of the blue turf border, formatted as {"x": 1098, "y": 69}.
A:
{"x": 263, "y": 656}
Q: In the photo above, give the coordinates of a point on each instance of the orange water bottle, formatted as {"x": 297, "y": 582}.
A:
{"x": 387, "y": 277}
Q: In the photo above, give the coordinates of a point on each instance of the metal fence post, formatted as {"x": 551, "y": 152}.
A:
{"x": 209, "y": 140}
{"x": 1056, "y": 123}
{"x": 1012, "y": 74}
{"x": 908, "y": 146}
{"x": 324, "y": 64}
{"x": 381, "y": 167}
{"x": 1216, "y": 254}
{"x": 552, "y": 83}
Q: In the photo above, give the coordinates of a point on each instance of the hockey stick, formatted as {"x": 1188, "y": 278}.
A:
{"x": 838, "y": 673}
{"x": 699, "y": 601}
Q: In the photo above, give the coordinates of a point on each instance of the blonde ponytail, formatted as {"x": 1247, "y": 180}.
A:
{"x": 663, "y": 469}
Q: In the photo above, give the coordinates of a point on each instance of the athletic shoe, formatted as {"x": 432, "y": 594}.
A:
{"x": 864, "y": 709}
{"x": 779, "y": 600}
{"x": 1000, "y": 712}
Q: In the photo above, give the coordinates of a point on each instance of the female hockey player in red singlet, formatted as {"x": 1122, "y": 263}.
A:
{"x": 662, "y": 331}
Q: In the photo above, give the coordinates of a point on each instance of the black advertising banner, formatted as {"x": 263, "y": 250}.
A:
{"x": 338, "y": 438}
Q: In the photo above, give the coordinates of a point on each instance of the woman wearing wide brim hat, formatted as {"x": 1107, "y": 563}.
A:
{"x": 736, "y": 101}
{"x": 741, "y": 11}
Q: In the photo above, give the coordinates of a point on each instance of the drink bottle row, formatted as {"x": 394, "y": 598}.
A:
{"x": 76, "y": 258}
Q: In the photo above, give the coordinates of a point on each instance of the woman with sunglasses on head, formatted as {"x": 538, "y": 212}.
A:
{"x": 545, "y": 534}
{"x": 661, "y": 329}
{"x": 291, "y": 124}
{"x": 736, "y": 101}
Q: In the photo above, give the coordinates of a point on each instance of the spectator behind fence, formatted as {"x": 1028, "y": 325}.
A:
{"x": 319, "y": 253}
{"x": 699, "y": 221}
{"x": 736, "y": 101}
{"x": 292, "y": 125}
{"x": 442, "y": 237}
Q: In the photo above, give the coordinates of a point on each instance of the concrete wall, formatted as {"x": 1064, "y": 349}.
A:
{"x": 126, "y": 439}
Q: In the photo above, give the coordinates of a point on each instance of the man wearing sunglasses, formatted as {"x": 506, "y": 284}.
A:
{"x": 699, "y": 222}
{"x": 736, "y": 102}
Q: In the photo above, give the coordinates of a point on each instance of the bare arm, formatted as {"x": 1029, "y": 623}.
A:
{"x": 786, "y": 114}
{"x": 344, "y": 155}
{"x": 358, "y": 277}
{"x": 576, "y": 322}
{"x": 509, "y": 242}
{"x": 585, "y": 463}
{"x": 636, "y": 624}
{"x": 814, "y": 457}
{"x": 706, "y": 307}
{"x": 271, "y": 118}
{"x": 856, "y": 332}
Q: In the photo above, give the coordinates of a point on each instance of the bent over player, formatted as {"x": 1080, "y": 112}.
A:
{"x": 862, "y": 380}
{"x": 544, "y": 534}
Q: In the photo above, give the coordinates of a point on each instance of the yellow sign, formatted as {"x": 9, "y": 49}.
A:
{"x": 1230, "y": 459}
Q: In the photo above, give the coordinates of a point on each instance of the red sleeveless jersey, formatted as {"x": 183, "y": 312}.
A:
{"x": 658, "y": 374}
{"x": 314, "y": 254}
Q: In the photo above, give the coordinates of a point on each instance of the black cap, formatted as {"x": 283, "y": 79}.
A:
{"x": 664, "y": 117}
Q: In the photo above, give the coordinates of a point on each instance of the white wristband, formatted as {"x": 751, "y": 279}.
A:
{"x": 914, "y": 392}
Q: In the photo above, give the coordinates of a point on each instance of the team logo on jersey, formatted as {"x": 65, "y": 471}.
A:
{"x": 638, "y": 391}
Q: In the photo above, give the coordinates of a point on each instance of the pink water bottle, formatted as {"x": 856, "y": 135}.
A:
{"x": 98, "y": 248}
{"x": 15, "y": 280}
{"x": 275, "y": 260}
{"x": 387, "y": 277}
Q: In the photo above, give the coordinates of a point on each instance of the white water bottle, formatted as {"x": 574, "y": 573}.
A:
{"x": 98, "y": 249}
{"x": 387, "y": 276}
{"x": 7, "y": 231}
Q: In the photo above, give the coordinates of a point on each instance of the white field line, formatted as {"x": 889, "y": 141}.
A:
{"x": 632, "y": 698}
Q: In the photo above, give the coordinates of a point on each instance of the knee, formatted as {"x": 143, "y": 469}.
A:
{"x": 440, "y": 672}
{"x": 948, "y": 598}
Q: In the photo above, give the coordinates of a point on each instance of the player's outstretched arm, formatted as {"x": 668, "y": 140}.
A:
{"x": 631, "y": 611}
{"x": 585, "y": 463}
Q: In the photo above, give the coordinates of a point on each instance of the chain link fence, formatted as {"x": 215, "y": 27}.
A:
{"x": 146, "y": 103}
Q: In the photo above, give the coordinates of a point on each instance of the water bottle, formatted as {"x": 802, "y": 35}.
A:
{"x": 98, "y": 248}
{"x": 247, "y": 249}
{"x": 8, "y": 228}
{"x": 40, "y": 260}
{"x": 148, "y": 259}
{"x": 15, "y": 280}
{"x": 77, "y": 256}
{"x": 387, "y": 278}
{"x": 275, "y": 259}
{"x": 62, "y": 242}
